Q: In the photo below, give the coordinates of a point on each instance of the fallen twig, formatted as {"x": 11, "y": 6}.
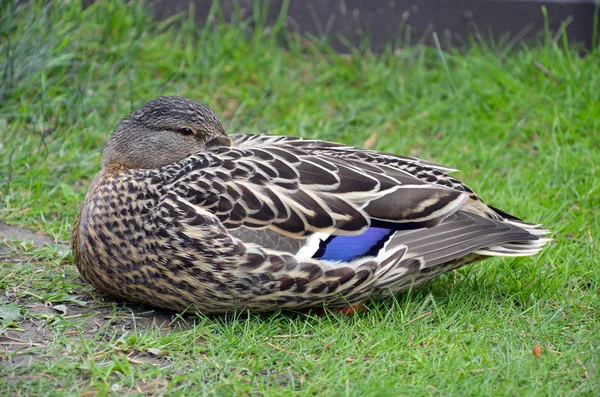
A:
{"x": 420, "y": 317}
{"x": 280, "y": 349}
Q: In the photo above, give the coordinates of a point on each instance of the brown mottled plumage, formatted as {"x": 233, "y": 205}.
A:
{"x": 183, "y": 217}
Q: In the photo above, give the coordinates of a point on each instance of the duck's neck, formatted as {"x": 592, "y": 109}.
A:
{"x": 114, "y": 168}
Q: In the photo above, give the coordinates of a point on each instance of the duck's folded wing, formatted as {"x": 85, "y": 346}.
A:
{"x": 426, "y": 171}
{"x": 297, "y": 193}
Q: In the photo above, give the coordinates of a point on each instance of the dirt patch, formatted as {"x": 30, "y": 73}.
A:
{"x": 41, "y": 329}
{"x": 8, "y": 232}
{"x": 30, "y": 342}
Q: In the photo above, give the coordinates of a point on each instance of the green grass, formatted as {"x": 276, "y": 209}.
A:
{"x": 521, "y": 121}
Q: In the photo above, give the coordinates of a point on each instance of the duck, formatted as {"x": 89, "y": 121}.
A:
{"x": 186, "y": 218}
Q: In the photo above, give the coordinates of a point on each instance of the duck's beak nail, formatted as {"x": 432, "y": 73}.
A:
{"x": 219, "y": 141}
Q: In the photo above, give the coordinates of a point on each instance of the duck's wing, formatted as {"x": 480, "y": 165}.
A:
{"x": 390, "y": 164}
{"x": 298, "y": 191}
{"x": 426, "y": 171}
{"x": 475, "y": 226}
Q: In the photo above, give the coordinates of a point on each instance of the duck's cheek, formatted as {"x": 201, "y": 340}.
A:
{"x": 168, "y": 150}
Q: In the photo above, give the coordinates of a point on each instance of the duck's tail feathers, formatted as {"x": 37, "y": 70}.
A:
{"x": 462, "y": 238}
{"x": 465, "y": 233}
{"x": 519, "y": 248}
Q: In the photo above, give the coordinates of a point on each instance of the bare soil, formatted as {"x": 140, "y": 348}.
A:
{"x": 8, "y": 232}
{"x": 27, "y": 343}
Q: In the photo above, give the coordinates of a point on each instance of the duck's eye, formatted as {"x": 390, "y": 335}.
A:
{"x": 185, "y": 131}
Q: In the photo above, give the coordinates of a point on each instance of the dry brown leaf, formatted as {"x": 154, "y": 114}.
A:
{"x": 370, "y": 141}
{"x": 537, "y": 351}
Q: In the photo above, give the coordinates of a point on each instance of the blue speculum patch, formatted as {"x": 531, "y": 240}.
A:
{"x": 348, "y": 248}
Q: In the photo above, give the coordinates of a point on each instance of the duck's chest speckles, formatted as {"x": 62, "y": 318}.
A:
{"x": 115, "y": 213}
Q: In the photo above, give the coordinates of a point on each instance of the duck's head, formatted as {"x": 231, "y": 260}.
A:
{"x": 163, "y": 131}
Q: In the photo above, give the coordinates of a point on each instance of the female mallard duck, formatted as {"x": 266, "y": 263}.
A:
{"x": 184, "y": 217}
